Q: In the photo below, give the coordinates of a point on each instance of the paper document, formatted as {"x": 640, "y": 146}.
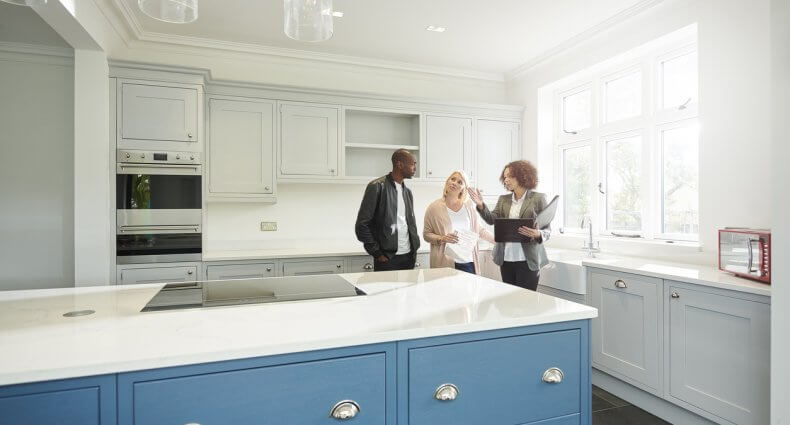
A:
{"x": 463, "y": 251}
{"x": 545, "y": 217}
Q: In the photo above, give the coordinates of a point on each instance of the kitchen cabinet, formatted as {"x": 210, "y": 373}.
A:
{"x": 360, "y": 264}
{"x": 134, "y": 274}
{"x": 309, "y": 136}
{"x": 240, "y": 271}
{"x": 448, "y": 146}
{"x": 304, "y": 267}
{"x": 627, "y": 336}
{"x": 240, "y": 149}
{"x": 718, "y": 352}
{"x": 83, "y": 401}
{"x": 423, "y": 261}
{"x": 371, "y": 135}
{"x": 159, "y": 116}
{"x": 497, "y": 144}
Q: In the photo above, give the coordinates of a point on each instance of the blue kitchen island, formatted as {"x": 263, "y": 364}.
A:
{"x": 433, "y": 346}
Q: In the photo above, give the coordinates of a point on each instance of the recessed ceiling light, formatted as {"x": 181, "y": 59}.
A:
{"x": 435, "y": 28}
{"x": 337, "y": 14}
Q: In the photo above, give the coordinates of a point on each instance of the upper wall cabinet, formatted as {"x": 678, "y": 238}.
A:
{"x": 159, "y": 117}
{"x": 309, "y": 135}
{"x": 372, "y": 135}
{"x": 497, "y": 145}
{"x": 448, "y": 146}
{"x": 240, "y": 149}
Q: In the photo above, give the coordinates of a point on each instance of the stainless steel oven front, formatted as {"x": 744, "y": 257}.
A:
{"x": 158, "y": 206}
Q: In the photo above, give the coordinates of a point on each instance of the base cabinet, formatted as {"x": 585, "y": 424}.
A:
{"x": 718, "y": 352}
{"x": 83, "y": 401}
{"x": 527, "y": 375}
{"x": 157, "y": 273}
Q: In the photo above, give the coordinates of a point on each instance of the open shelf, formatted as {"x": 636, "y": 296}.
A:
{"x": 381, "y": 146}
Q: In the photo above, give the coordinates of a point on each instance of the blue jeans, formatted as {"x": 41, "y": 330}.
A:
{"x": 466, "y": 267}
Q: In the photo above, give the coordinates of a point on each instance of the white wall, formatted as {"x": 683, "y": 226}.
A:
{"x": 36, "y": 167}
{"x": 733, "y": 112}
{"x": 320, "y": 213}
{"x": 780, "y": 292}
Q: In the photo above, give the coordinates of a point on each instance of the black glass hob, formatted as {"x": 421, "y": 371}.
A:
{"x": 215, "y": 293}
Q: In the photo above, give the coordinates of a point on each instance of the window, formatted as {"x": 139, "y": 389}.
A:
{"x": 626, "y": 145}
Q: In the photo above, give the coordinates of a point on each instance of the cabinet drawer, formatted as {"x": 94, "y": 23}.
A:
{"x": 302, "y": 268}
{"x": 239, "y": 271}
{"x": 87, "y": 401}
{"x": 499, "y": 381}
{"x": 360, "y": 264}
{"x": 299, "y": 393}
{"x": 157, "y": 275}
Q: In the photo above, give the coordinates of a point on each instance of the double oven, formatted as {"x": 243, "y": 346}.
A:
{"x": 158, "y": 206}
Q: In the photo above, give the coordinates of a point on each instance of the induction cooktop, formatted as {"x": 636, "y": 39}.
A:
{"x": 215, "y": 293}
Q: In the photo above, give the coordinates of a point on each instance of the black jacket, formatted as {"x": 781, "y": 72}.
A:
{"x": 377, "y": 218}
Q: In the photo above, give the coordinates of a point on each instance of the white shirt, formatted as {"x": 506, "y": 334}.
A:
{"x": 404, "y": 245}
{"x": 459, "y": 220}
{"x": 513, "y": 250}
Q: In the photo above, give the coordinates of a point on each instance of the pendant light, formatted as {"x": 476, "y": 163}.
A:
{"x": 26, "y": 2}
{"x": 308, "y": 20}
{"x": 172, "y": 11}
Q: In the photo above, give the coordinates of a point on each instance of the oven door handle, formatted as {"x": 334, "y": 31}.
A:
{"x": 158, "y": 229}
{"x": 127, "y": 168}
{"x": 750, "y": 254}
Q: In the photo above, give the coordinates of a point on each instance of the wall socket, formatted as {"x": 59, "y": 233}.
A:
{"x": 268, "y": 226}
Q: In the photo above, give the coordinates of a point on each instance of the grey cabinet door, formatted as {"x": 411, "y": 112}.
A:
{"x": 718, "y": 349}
{"x": 158, "y": 113}
{"x": 628, "y": 332}
{"x": 318, "y": 266}
{"x": 309, "y": 135}
{"x": 240, "y": 271}
{"x": 133, "y": 276}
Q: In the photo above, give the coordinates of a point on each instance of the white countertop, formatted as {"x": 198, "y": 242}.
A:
{"x": 690, "y": 273}
{"x": 39, "y": 344}
{"x": 228, "y": 251}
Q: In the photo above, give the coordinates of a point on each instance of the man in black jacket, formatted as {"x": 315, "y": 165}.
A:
{"x": 385, "y": 222}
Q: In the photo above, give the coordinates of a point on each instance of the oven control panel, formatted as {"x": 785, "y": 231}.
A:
{"x": 158, "y": 157}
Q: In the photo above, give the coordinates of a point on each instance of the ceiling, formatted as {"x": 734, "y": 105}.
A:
{"x": 491, "y": 37}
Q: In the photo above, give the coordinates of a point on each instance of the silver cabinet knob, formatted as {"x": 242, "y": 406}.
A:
{"x": 178, "y": 156}
{"x": 446, "y": 392}
{"x": 128, "y": 155}
{"x": 553, "y": 375}
{"x": 332, "y": 171}
{"x": 339, "y": 266}
{"x": 675, "y": 295}
{"x": 368, "y": 266}
{"x": 430, "y": 172}
{"x": 189, "y": 135}
{"x": 417, "y": 264}
{"x": 142, "y": 155}
{"x": 619, "y": 283}
{"x": 266, "y": 188}
{"x": 268, "y": 269}
{"x": 189, "y": 271}
{"x": 344, "y": 410}
{"x": 192, "y": 157}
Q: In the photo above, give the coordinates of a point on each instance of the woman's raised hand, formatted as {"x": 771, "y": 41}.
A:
{"x": 474, "y": 194}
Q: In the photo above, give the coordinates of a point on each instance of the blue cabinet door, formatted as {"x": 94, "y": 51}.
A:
{"x": 84, "y": 401}
{"x": 499, "y": 381}
{"x": 297, "y": 393}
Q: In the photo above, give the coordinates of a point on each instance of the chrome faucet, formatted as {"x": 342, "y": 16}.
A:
{"x": 590, "y": 246}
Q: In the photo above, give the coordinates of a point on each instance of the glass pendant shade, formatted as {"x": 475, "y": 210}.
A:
{"x": 173, "y": 11}
{"x": 26, "y": 2}
{"x": 308, "y": 20}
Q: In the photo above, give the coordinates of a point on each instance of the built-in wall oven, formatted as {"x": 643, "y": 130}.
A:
{"x": 158, "y": 206}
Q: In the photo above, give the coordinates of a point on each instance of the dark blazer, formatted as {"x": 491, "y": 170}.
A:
{"x": 534, "y": 203}
{"x": 377, "y": 220}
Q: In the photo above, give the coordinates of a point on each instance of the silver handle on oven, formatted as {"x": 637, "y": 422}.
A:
{"x": 124, "y": 166}
{"x": 750, "y": 254}
{"x": 126, "y": 228}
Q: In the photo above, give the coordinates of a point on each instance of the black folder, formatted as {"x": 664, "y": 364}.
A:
{"x": 506, "y": 229}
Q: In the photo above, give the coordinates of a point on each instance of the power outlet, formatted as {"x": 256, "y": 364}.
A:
{"x": 268, "y": 226}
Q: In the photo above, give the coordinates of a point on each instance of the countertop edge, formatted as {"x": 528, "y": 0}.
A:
{"x": 291, "y": 348}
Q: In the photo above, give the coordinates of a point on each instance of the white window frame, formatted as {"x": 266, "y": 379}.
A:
{"x": 649, "y": 124}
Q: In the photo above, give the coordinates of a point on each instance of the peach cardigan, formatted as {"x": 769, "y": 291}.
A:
{"x": 437, "y": 224}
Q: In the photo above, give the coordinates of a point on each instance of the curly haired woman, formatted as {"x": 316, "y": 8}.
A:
{"x": 519, "y": 262}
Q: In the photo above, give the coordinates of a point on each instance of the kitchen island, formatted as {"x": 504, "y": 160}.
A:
{"x": 422, "y": 347}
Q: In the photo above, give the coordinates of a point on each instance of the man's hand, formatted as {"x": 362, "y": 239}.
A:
{"x": 383, "y": 258}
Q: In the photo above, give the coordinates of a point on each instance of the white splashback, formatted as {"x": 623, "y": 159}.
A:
{"x": 303, "y": 212}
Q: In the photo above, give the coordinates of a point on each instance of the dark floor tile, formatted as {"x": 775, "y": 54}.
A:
{"x": 626, "y": 415}
{"x": 599, "y": 403}
{"x": 609, "y": 397}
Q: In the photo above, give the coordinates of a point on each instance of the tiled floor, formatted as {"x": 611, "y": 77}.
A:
{"x": 611, "y": 410}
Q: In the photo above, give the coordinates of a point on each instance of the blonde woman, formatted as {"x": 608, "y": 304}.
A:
{"x": 446, "y": 216}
